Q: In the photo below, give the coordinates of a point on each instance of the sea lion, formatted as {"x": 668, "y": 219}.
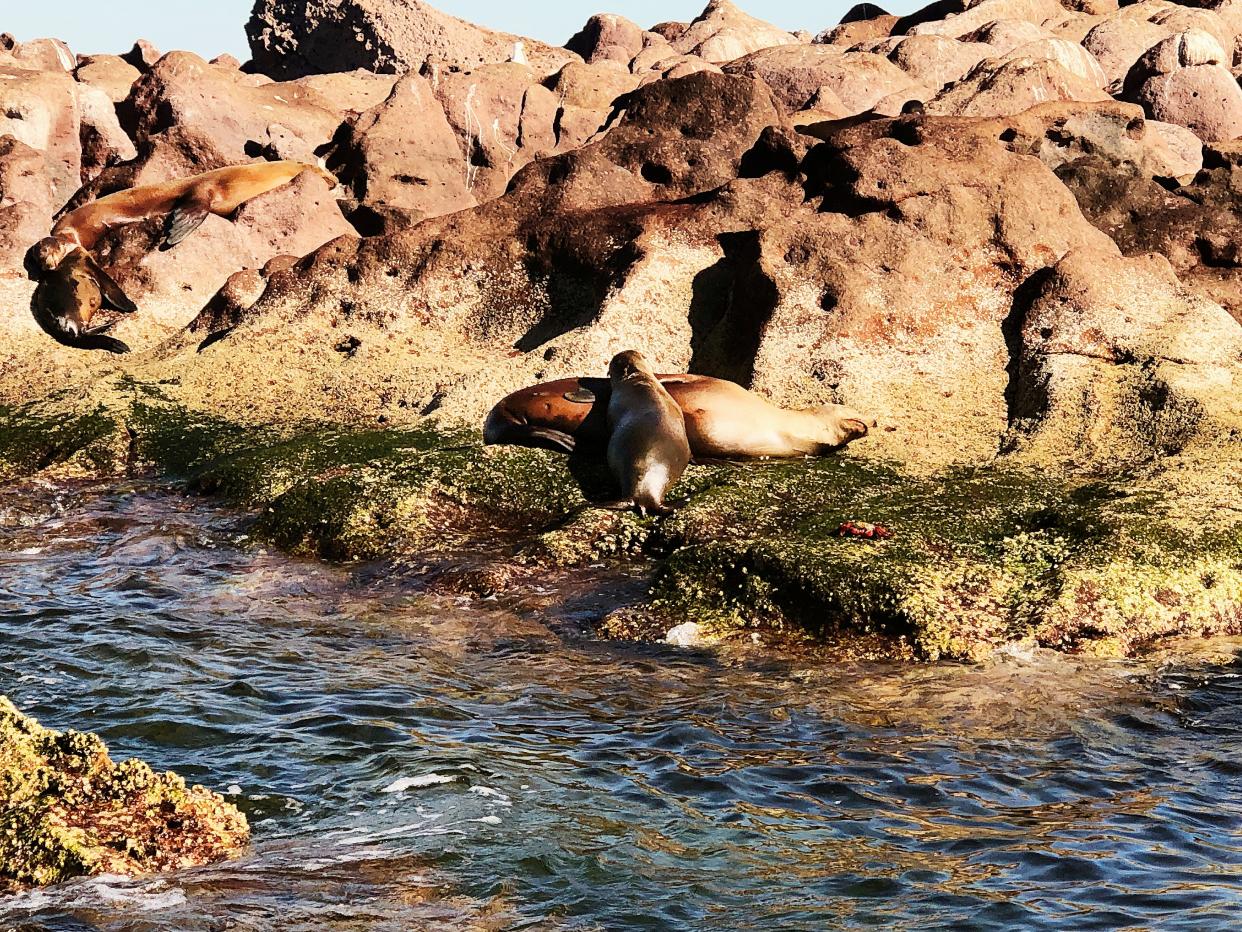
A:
{"x": 184, "y": 202}
{"x": 72, "y": 290}
{"x": 723, "y": 419}
{"x": 647, "y": 446}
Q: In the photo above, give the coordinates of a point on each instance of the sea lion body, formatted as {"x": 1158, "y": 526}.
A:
{"x": 185, "y": 201}
{"x": 71, "y": 292}
{"x": 723, "y": 420}
{"x": 647, "y": 446}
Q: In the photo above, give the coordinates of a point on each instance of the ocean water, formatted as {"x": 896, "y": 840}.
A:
{"x": 419, "y": 761}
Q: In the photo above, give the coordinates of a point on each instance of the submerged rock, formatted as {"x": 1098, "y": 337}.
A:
{"x": 69, "y": 811}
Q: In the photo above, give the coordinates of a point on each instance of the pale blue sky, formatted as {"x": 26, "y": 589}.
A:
{"x": 210, "y": 27}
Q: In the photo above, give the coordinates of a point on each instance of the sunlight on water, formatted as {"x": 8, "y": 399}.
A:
{"x": 409, "y": 761}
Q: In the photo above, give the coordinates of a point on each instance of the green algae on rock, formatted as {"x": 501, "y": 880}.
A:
{"x": 69, "y": 810}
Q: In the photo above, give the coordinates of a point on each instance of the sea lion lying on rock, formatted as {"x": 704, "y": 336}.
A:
{"x": 72, "y": 290}
{"x": 185, "y": 202}
{"x": 723, "y": 420}
{"x": 647, "y": 446}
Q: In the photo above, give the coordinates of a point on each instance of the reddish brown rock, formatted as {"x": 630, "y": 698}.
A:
{"x": 723, "y": 33}
{"x": 40, "y": 109}
{"x": 1204, "y": 98}
{"x": 143, "y": 55}
{"x": 1005, "y": 35}
{"x": 1196, "y": 227}
{"x": 608, "y": 37}
{"x": 26, "y": 202}
{"x": 857, "y": 79}
{"x": 794, "y": 72}
{"x": 39, "y": 55}
{"x": 995, "y": 88}
{"x": 956, "y": 19}
{"x": 1119, "y": 42}
{"x": 385, "y": 165}
{"x": 851, "y": 33}
{"x": 934, "y": 61}
{"x": 288, "y": 39}
{"x": 1117, "y": 361}
{"x": 184, "y": 90}
{"x": 110, "y": 73}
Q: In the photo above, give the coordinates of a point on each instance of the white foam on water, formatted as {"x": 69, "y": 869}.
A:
{"x": 489, "y": 820}
{"x": 413, "y": 783}
{"x": 488, "y": 793}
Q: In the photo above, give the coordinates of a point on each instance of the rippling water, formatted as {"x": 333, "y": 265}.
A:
{"x": 411, "y": 761}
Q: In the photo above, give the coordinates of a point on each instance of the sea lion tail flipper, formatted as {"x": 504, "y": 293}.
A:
{"x": 94, "y": 340}
{"x": 186, "y": 216}
{"x": 557, "y": 438}
{"x": 113, "y": 296}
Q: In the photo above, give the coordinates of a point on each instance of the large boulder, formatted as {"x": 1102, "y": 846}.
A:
{"x": 608, "y": 37}
{"x": 723, "y": 33}
{"x": 1118, "y": 362}
{"x": 26, "y": 202}
{"x": 290, "y": 39}
{"x": 796, "y": 72}
{"x": 182, "y": 89}
{"x": 1197, "y": 227}
{"x": 934, "y": 61}
{"x": 110, "y": 73}
{"x": 40, "y": 109}
{"x": 955, "y": 19}
{"x": 997, "y": 87}
{"x": 386, "y": 167}
{"x": 1204, "y": 98}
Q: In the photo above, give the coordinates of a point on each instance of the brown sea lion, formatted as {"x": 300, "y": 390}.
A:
{"x": 72, "y": 290}
{"x": 185, "y": 202}
{"x": 723, "y": 420}
{"x": 647, "y": 446}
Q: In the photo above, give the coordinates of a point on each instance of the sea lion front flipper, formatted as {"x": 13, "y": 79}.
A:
{"x": 186, "y": 216}
{"x": 94, "y": 340}
{"x": 582, "y": 396}
{"x": 113, "y": 296}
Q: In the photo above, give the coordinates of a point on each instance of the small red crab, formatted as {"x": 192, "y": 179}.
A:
{"x": 863, "y": 530}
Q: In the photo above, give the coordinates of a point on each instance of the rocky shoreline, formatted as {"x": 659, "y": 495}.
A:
{"x": 1031, "y": 280}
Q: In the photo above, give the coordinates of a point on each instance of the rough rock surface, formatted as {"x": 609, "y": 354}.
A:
{"x": 70, "y": 811}
{"x": 290, "y": 39}
{"x": 724, "y": 32}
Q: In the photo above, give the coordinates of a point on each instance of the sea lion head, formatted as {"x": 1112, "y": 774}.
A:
{"x": 842, "y": 425}
{"x": 47, "y": 255}
{"x": 630, "y": 364}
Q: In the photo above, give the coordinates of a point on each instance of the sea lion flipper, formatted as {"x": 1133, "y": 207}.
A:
{"x": 186, "y": 216}
{"x": 558, "y": 438}
{"x": 111, "y": 292}
{"x": 93, "y": 340}
{"x": 580, "y": 396}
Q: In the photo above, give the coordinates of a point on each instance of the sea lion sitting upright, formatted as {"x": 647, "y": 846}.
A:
{"x": 72, "y": 290}
{"x": 723, "y": 419}
{"x": 647, "y": 446}
{"x": 185, "y": 202}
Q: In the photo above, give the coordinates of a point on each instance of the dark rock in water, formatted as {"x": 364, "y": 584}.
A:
{"x": 290, "y": 39}
{"x": 69, "y": 810}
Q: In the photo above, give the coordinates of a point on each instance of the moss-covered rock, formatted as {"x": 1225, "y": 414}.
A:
{"x": 68, "y": 810}
{"x": 979, "y": 557}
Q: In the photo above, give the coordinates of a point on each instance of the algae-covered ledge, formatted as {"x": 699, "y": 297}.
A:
{"x": 981, "y": 557}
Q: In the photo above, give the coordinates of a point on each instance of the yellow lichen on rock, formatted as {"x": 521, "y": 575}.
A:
{"x": 69, "y": 810}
